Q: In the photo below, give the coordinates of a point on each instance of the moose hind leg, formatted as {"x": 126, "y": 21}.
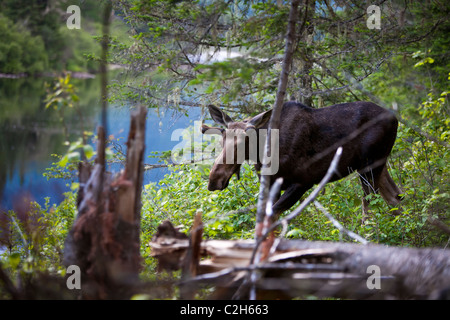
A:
{"x": 389, "y": 190}
{"x": 370, "y": 183}
{"x": 378, "y": 180}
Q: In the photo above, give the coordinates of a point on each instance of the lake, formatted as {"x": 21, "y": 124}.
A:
{"x": 30, "y": 134}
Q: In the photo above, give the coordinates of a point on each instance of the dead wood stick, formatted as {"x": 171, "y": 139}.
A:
{"x": 274, "y": 124}
{"x": 193, "y": 254}
{"x": 192, "y": 258}
{"x": 315, "y": 193}
{"x": 303, "y": 267}
{"x": 304, "y": 204}
{"x": 403, "y": 272}
{"x": 338, "y": 225}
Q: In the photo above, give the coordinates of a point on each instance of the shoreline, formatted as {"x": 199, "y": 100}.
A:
{"x": 74, "y": 74}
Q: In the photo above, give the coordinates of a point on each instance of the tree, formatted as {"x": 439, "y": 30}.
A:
{"x": 19, "y": 50}
{"x": 183, "y": 39}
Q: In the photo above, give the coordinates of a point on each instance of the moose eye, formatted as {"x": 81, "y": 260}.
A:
{"x": 248, "y": 128}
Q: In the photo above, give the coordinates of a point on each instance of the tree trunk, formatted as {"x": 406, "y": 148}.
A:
{"x": 104, "y": 241}
{"x": 306, "y": 38}
{"x": 326, "y": 269}
{"x": 274, "y": 123}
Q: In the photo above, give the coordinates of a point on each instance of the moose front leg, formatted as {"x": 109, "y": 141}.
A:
{"x": 292, "y": 194}
{"x": 283, "y": 202}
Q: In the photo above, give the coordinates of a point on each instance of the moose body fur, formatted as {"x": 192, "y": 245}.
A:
{"x": 308, "y": 140}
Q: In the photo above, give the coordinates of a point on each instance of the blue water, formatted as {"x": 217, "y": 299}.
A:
{"x": 29, "y": 181}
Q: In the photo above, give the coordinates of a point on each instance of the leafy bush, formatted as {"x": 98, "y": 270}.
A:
{"x": 19, "y": 50}
{"x": 179, "y": 195}
{"x": 33, "y": 238}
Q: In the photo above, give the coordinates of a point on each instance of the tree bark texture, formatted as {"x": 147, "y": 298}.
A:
{"x": 274, "y": 123}
{"x": 105, "y": 238}
{"x": 325, "y": 269}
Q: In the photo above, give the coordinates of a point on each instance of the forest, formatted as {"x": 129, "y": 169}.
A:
{"x": 245, "y": 57}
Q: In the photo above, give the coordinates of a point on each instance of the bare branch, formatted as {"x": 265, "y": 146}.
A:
{"x": 275, "y": 118}
{"x": 314, "y": 194}
{"x": 338, "y": 225}
{"x": 302, "y": 206}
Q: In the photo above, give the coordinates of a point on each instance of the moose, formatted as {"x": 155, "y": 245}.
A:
{"x": 307, "y": 141}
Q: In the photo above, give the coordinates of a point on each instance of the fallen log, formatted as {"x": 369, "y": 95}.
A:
{"x": 298, "y": 268}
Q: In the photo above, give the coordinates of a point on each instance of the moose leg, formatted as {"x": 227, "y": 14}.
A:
{"x": 284, "y": 202}
{"x": 370, "y": 184}
{"x": 389, "y": 190}
{"x": 379, "y": 180}
{"x": 292, "y": 194}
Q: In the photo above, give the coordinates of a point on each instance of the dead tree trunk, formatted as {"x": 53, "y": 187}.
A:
{"x": 274, "y": 123}
{"x": 306, "y": 38}
{"x": 298, "y": 267}
{"x": 104, "y": 241}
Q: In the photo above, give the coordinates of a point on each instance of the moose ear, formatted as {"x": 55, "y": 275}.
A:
{"x": 219, "y": 116}
{"x": 260, "y": 120}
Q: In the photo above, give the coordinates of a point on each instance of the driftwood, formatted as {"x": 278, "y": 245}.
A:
{"x": 104, "y": 241}
{"x": 298, "y": 268}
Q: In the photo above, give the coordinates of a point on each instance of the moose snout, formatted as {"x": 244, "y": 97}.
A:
{"x": 214, "y": 185}
{"x": 220, "y": 176}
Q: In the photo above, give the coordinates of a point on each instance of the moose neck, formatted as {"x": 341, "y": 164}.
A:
{"x": 259, "y": 145}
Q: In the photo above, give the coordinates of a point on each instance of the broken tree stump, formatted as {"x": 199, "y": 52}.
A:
{"x": 104, "y": 241}
{"x": 192, "y": 257}
{"x": 324, "y": 269}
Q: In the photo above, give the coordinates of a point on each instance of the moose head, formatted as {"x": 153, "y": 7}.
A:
{"x": 239, "y": 143}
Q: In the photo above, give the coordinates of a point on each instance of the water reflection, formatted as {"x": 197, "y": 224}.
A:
{"x": 29, "y": 134}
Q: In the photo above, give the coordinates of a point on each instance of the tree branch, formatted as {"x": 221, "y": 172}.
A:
{"x": 275, "y": 117}
{"x": 338, "y": 225}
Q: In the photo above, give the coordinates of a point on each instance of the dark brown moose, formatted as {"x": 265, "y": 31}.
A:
{"x": 308, "y": 140}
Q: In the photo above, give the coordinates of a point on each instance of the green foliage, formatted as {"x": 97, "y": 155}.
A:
{"x": 20, "y": 51}
{"x": 83, "y": 49}
{"x": 394, "y": 66}
{"x": 35, "y": 37}
{"x": 417, "y": 164}
{"x": 63, "y": 94}
{"x": 334, "y": 45}
{"x": 40, "y": 20}
{"x": 183, "y": 192}
{"x": 34, "y": 239}
{"x": 63, "y": 97}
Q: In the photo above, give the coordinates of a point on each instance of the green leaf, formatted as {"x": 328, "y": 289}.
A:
{"x": 63, "y": 162}
{"x": 74, "y": 156}
{"x": 423, "y": 61}
{"x": 75, "y": 98}
{"x": 88, "y": 151}
{"x": 141, "y": 296}
{"x": 14, "y": 260}
{"x": 109, "y": 154}
{"x": 76, "y": 145}
{"x": 74, "y": 186}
